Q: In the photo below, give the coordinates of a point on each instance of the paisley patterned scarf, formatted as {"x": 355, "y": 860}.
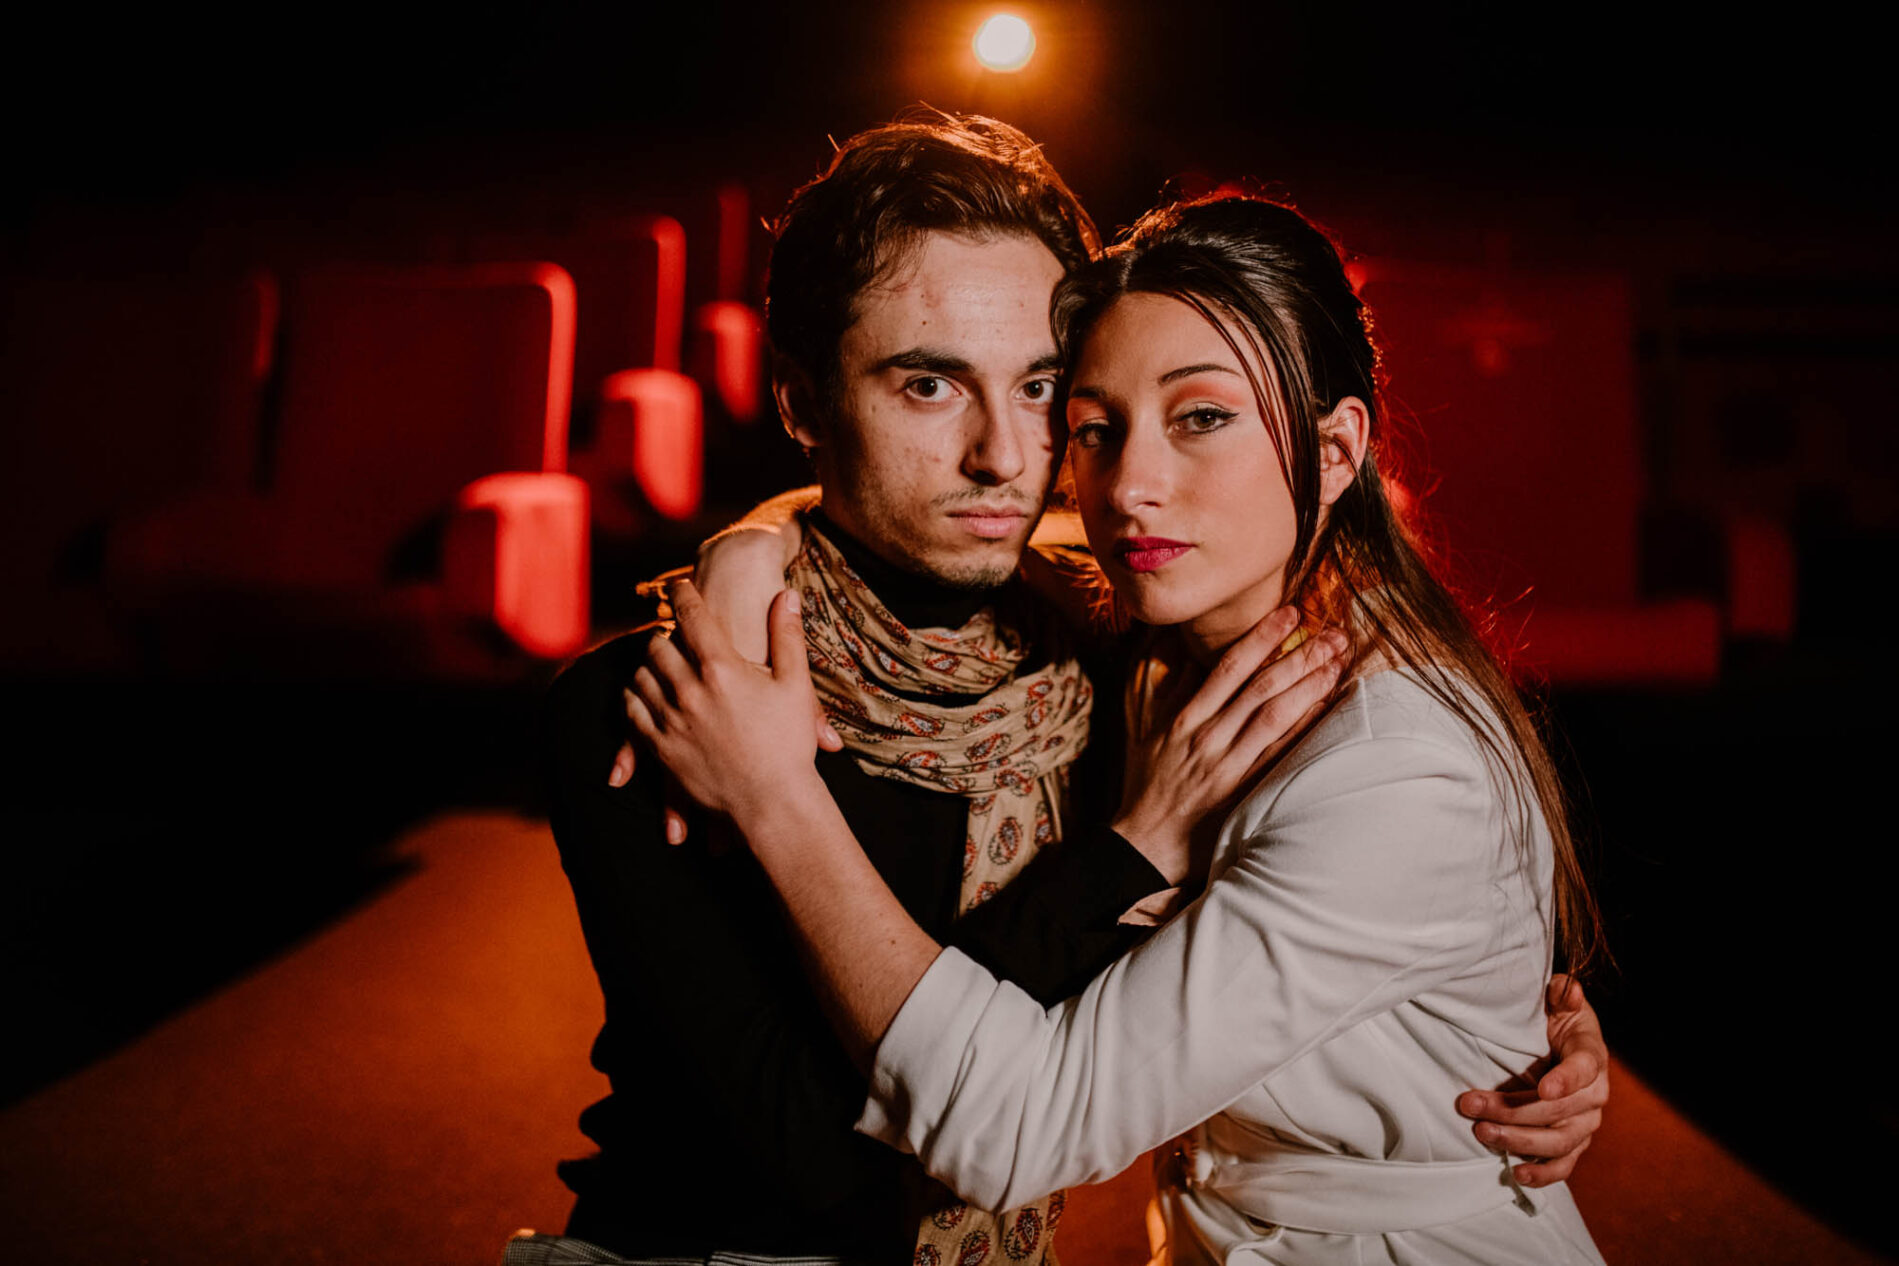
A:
{"x": 946, "y": 709}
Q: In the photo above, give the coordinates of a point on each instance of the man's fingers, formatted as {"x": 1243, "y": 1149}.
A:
{"x": 1538, "y": 1143}
{"x": 1579, "y": 1074}
{"x": 1524, "y": 1108}
{"x": 1542, "y": 1173}
{"x": 623, "y": 760}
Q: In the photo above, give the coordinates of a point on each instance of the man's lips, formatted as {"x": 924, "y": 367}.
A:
{"x": 992, "y": 523}
{"x": 1148, "y": 553}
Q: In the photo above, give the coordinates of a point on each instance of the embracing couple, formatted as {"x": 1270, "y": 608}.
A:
{"x": 1232, "y": 837}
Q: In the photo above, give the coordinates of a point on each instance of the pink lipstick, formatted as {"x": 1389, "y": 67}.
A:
{"x": 1149, "y": 553}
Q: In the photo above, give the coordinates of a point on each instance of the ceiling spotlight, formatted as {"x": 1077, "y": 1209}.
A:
{"x": 1005, "y": 43}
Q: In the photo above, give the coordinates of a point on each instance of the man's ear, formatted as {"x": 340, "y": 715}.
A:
{"x": 797, "y": 403}
{"x": 1343, "y": 436}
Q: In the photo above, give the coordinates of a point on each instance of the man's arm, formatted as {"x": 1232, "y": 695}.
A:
{"x": 1057, "y": 925}
{"x": 687, "y": 963}
{"x": 1557, "y": 1120}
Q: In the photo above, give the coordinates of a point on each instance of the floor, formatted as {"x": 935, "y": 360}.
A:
{"x": 395, "y": 1087}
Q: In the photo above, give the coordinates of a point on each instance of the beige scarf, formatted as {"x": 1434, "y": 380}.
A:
{"x": 946, "y": 709}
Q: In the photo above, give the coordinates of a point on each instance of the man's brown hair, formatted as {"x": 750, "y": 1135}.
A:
{"x": 884, "y": 189}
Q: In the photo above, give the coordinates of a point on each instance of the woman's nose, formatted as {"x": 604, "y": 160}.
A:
{"x": 1140, "y": 477}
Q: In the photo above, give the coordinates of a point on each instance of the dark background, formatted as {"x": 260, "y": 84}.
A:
{"x": 1736, "y": 168}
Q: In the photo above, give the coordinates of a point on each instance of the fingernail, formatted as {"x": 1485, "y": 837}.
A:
{"x": 1469, "y": 1104}
{"x": 618, "y": 777}
{"x": 794, "y": 604}
{"x": 675, "y": 831}
{"x": 1487, "y": 1133}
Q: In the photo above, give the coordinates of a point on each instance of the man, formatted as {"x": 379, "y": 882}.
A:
{"x": 913, "y": 360}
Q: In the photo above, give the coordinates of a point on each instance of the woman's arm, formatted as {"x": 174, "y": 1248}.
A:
{"x": 1368, "y": 880}
{"x": 731, "y": 734}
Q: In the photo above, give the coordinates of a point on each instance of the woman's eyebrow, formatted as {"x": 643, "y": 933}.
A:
{"x": 1188, "y": 371}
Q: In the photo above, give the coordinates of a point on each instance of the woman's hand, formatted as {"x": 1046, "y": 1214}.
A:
{"x": 1250, "y": 709}
{"x": 736, "y": 736}
{"x": 739, "y": 572}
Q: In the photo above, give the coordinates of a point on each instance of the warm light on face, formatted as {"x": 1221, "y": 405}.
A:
{"x": 1005, "y": 43}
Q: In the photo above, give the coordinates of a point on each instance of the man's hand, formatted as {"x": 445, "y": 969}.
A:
{"x": 1555, "y": 1122}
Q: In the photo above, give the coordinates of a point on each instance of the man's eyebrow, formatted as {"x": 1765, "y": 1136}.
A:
{"x": 1188, "y": 371}
{"x": 929, "y": 360}
{"x": 1045, "y": 363}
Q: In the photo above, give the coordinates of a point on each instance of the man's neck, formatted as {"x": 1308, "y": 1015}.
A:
{"x": 921, "y": 602}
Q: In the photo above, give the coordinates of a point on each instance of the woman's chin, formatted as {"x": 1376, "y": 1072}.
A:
{"x": 1160, "y": 609}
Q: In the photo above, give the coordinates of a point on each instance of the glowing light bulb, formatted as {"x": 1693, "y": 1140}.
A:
{"x": 1005, "y": 43}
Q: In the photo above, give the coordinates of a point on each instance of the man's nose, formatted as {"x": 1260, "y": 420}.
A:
{"x": 997, "y": 452}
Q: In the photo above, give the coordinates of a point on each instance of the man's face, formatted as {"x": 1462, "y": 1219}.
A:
{"x": 938, "y": 451}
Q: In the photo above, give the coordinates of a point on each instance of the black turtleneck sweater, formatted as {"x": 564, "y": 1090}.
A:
{"x": 729, "y": 1124}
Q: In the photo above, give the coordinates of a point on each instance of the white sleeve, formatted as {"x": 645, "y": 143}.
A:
{"x": 1366, "y": 878}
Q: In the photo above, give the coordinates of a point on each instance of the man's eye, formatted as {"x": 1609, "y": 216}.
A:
{"x": 928, "y": 387}
{"x": 1039, "y": 389}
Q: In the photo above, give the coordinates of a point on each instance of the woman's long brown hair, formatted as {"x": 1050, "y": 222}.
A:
{"x": 1275, "y": 287}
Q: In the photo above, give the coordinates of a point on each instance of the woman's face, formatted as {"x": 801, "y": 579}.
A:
{"x": 1177, "y": 477}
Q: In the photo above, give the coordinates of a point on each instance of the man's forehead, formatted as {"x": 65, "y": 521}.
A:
{"x": 961, "y": 296}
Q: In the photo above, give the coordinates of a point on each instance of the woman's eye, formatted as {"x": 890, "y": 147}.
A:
{"x": 1206, "y": 418}
{"x": 1088, "y": 434}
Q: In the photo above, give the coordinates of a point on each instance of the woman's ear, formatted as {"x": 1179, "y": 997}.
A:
{"x": 797, "y": 404}
{"x": 1343, "y": 436}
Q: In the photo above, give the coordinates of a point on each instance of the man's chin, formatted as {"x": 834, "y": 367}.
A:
{"x": 972, "y": 570}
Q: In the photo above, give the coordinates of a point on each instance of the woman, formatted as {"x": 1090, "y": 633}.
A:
{"x": 1380, "y": 901}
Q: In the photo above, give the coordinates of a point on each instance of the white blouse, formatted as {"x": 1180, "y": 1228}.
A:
{"x": 1372, "y": 942}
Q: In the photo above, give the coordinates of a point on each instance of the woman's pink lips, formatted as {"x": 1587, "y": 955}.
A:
{"x": 1149, "y": 553}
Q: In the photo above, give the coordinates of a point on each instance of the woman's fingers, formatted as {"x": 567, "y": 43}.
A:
{"x": 624, "y": 761}
{"x": 704, "y": 635}
{"x": 790, "y": 663}
{"x": 1236, "y": 667}
{"x": 1274, "y": 736}
{"x": 649, "y": 694}
{"x": 640, "y": 714}
{"x": 1274, "y": 701}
